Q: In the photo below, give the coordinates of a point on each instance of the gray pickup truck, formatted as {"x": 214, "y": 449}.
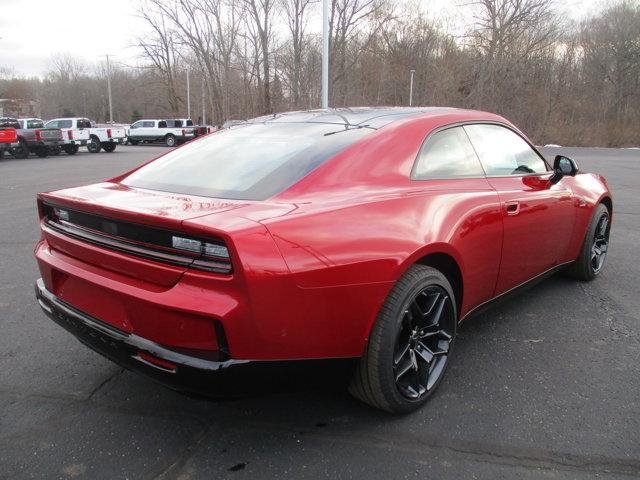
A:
{"x": 32, "y": 136}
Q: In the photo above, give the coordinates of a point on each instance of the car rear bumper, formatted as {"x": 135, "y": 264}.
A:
{"x": 180, "y": 369}
{"x": 176, "y": 368}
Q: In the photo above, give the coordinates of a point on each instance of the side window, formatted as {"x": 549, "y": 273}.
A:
{"x": 52, "y": 124}
{"x": 148, "y": 124}
{"x": 503, "y": 152}
{"x": 65, "y": 124}
{"x": 447, "y": 153}
{"x": 136, "y": 125}
{"x": 162, "y": 124}
{"x": 84, "y": 123}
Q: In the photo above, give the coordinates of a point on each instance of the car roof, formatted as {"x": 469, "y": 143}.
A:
{"x": 372, "y": 117}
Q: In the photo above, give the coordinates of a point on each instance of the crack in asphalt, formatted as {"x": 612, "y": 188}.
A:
{"x": 104, "y": 383}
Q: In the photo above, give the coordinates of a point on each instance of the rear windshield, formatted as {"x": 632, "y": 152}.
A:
{"x": 9, "y": 123}
{"x": 84, "y": 123}
{"x": 35, "y": 124}
{"x": 248, "y": 162}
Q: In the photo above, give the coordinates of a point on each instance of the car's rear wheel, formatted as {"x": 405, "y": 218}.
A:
{"x": 55, "y": 150}
{"x": 410, "y": 343}
{"x": 594, "y": 247}
{"x": 170, "y": 140}
{"x": 109, "y": 147}
{"x": 42, "y": 152}
{"x": 94, "y": 145}
{"x": 71, "y": 149}
{"x": 21, "y": 151}
{"x": 133, "y": 142}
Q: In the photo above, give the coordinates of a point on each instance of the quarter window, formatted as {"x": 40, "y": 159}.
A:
{"x": 503, "y": 152}
{"x": 447, "y": 153}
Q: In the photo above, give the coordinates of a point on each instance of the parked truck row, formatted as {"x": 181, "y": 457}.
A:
{"x": 52, "y": 137}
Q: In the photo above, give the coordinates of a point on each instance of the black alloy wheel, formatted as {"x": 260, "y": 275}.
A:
{"x": 600, "y": 243}
{"x": 410, "y": 343}
{"x": 424, "y": 340}
{"x": 109, "y": 146}
{"x": 595, "y": 246}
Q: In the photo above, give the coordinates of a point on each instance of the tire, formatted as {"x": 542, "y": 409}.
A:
{"x": 55, "y": 151}
{"x": 42, "y": 152}
{"x": 71, "y": 149}
{"x": 109, "y": 146}
{"x": 595, "y": 245}
{"x": 407, "y": 354}
{"x": 170, "y": 140}
{"x": 134, "y": 142}
{"x": 94, "y": 145}
{"x": 1, "y": 154}
{"x": 22, "y": 151}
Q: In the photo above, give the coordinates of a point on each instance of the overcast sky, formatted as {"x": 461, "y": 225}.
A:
{"x": 32, "y": 30}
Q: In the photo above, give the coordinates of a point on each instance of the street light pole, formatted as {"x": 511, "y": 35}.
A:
{"x": 325, "y": 53}
{"x": 188, "y": 96}
{"x": 109, "y": 90}
{"x": 204, "y": 113}
{"x": 411, "y": 89}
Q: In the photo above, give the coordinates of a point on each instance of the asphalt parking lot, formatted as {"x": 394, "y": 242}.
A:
{"x": 546, "y": 385}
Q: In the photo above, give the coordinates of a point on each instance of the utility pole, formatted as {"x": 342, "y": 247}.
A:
{"x": 411, "y": 89}
{"x": 325, "y": 53}
{"x": 109, "y": 89}
{"x": 204, "y": 112}
{"x": 188, "y": 95}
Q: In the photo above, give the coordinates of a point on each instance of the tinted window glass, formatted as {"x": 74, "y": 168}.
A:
{"x": 189, "y": 123}
{"x": 35, "y": 124}
{"x": 9, "y": 122}
{"x": 162, "y": 124}
{"x": 65, "y": 124}
{"x": 503, "y": 152}
{"x": 447, "y": 153}
{"x": 251, "y": 162}
{"x": 84, "y": 123}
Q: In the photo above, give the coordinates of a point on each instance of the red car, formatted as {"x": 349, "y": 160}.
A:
{"x": 356, "y": 233}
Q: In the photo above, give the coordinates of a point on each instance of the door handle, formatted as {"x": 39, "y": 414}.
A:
{"x": 513, "y": 208}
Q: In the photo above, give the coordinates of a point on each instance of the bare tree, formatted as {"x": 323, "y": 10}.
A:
{"x": 160, "y": 47}
{"x": 261, "y": 28}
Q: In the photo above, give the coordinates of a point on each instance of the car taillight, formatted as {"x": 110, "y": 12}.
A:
{"x": 156, "y": 244}
{"x": 38, "y": 135}
{"x": 108, "y": 133}
{"x": 70, "y": 133}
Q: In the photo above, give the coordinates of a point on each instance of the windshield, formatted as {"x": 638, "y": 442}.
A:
{"x": 249, "y": 162}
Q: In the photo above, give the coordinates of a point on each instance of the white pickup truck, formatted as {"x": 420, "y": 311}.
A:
{"x": 96, "y": 138}
{"x": 159, "y": 131}
{"x": 74, "y": 133}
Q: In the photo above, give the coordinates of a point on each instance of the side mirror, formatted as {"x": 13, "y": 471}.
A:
{"x": 563, "y": 166}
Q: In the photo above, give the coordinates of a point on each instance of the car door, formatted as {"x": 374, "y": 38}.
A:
{"x": 136, "y": 130}
{"x": 538, "y": 217}
{"x": 467, "y": 208}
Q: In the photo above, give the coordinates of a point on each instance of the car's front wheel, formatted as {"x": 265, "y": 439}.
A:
{"x": 594, "y": 246}
{"x": 410, "y": 343}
